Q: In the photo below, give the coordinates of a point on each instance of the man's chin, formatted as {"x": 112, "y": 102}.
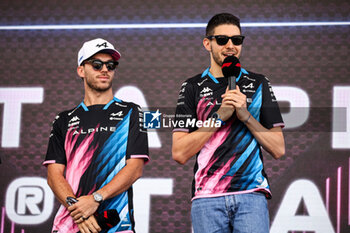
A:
{"x": 101, "y": 88}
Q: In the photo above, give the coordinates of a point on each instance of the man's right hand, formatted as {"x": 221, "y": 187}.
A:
{"x": 227, "y": 105}
{"x": 85, "y": 207}
{"x": 89, "y": 225}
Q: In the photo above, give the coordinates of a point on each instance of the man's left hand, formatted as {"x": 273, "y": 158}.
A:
{"x": 239, "y": 101}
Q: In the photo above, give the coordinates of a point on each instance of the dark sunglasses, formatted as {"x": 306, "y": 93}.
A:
{"x": 222, "y": 40}
{"x": 98, "y": 64}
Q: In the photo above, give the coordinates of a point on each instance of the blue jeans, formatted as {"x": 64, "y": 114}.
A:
{"x": 239, "y": 213}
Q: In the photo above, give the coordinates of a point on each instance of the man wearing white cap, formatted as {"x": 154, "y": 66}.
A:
{"x": 96, "y": 151}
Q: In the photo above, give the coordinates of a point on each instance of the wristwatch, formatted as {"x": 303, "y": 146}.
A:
{"x": 217, "y": 117}
{"x": 71, "y": 200}
{"x": 97, "y": 197}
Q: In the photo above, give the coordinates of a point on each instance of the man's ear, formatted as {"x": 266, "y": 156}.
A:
{"x": 81, "y": 71}
{"x": 206, "y": 44}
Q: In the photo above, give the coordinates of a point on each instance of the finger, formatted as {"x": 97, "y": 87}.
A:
{"x": 228, "y": 96}
{"x": 84, "y": 228}
{"x": 76, "y": 214}
{"x": 95, "y": 224}
{"x": 238, "y": 105}
{"x": 78, "y": 218}
{"x": 78, "y": 221}
{"x": 71, "y": 208}
{"x": 227, "y": 102}
{"x": 81, "y": 229}
{"x": 227, "y": 93}
{"x": 91, "y": 226}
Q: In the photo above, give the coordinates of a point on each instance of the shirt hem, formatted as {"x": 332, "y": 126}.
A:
{"x": 181, "y": 130}
{"x": 266, "y": 191}
{"x": 45, "y": 163}
{"x": 279, "y": 125}
{"x": 145, "y": 157}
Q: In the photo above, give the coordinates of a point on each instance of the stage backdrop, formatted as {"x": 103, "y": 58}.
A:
{"x": 308, "y": 66}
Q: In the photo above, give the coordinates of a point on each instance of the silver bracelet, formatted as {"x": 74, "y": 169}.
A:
{"x": 245, "y": 122}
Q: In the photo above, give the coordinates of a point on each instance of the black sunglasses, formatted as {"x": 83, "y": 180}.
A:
{"x": 222, "y": 40}
{"x": 98, "y": 64}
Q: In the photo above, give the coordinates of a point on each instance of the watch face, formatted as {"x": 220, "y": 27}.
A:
{"x": 215, "y": 115}
{"x": 98, "y": 197}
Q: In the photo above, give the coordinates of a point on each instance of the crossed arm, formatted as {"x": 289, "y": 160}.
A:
{"x": 86, "y": 205}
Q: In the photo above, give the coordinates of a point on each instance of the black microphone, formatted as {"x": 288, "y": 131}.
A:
{"x": 231, "y": 68}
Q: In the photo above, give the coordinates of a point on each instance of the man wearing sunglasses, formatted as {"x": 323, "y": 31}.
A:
{"x": 96, "y": 150}
{"x": 230, "y": 186}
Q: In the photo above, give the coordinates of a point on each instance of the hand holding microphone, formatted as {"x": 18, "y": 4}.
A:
{"x": 231, "y": 68}
{"x": 233, "y": 100}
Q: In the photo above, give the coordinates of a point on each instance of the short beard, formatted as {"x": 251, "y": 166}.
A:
{"x": 216, "y": 58}
{"x": 98, "y": 89}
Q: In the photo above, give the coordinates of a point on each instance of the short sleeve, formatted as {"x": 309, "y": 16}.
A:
{"x": 185, "y": 109}
{"x": 137, "y": 146}
{"x": 270, "y": 113}
{"x": 55, "y": 151}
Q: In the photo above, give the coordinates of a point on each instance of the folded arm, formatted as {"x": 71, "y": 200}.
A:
{"x": 86, "y": 205}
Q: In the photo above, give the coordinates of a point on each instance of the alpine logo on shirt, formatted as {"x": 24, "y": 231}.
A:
{"x": 250, "y": 85}
{"x": 116, "y": 116}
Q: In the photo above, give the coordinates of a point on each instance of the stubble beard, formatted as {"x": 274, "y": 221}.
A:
{"x": 93, "y": 86}
{"x": 216, "y": 57}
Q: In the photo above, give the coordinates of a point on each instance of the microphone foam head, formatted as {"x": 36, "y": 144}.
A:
{"x": 231, "y": 66}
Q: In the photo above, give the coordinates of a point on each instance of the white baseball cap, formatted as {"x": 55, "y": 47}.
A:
{"x": 98, "y": 45}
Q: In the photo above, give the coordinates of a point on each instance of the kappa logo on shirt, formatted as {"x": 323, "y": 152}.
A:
{"x": 206, "y": 91}
{"x": 75, "y": 118}
{"x": 74, "y": 121}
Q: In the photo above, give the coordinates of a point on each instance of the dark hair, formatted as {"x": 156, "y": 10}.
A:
{"x": 219, "y": 19}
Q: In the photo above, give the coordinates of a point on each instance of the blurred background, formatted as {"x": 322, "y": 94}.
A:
{"x": 308, "y": 66}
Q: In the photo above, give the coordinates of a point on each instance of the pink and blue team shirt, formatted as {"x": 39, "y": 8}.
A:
{"x": 94, "y": 144}
{"x": 231, "y": 162}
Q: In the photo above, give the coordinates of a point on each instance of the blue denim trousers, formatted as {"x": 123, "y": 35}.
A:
{"x": 238, "y": 213}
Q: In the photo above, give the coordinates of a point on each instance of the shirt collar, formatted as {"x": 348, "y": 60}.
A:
{"x": 207, "y": 72}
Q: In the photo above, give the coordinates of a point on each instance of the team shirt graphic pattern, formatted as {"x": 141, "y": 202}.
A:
{"x": 94, "y": 143}
{"x": 231, "y": 161}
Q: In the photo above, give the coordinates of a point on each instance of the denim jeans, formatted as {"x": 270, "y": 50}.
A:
{"x": 238, "y": 213}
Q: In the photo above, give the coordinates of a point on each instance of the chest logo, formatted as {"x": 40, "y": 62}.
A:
{"x": 119, "y": 114}
{"x": 251, "y": 86}
{"x": 206, "y": 91}
{"x": 116, "y": 116}
{"x": 74, "y": 121}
